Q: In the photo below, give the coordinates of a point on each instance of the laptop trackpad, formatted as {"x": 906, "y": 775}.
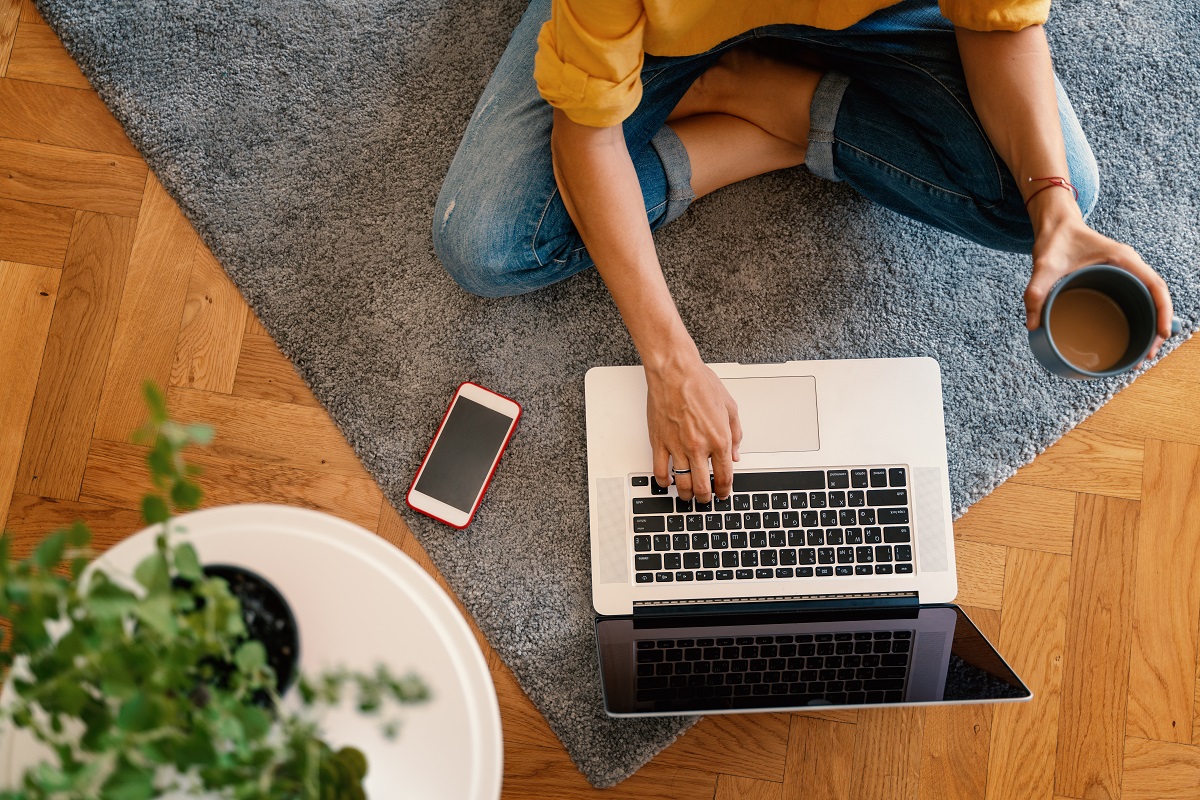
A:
{"x": 778, "y": 415}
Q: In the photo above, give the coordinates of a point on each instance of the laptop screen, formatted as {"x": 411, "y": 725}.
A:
{"x": 786, "y": 660}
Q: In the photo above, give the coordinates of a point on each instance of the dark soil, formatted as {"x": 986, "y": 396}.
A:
{"x": 268, "y": 618}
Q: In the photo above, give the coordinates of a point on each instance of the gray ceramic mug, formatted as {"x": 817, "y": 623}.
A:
{"x": 1135, "y": 302}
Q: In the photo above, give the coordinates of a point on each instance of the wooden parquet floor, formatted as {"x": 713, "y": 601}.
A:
{"x": 1085, "y": 567}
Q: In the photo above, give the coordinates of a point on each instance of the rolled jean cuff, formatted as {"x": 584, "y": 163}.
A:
{"x": 823, "y": 113}
{"x": 677, "y": 168}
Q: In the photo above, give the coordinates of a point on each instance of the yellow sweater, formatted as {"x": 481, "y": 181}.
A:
{"x": 589, "y": 57}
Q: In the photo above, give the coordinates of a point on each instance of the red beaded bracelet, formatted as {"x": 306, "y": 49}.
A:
{"x": 1054, "y": 180}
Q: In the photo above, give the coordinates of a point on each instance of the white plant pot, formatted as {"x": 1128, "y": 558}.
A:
{"x": 359, "y": 602}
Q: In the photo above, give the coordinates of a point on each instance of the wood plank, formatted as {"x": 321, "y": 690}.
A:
{"x": 1032, "y": 639}
{"x": 210, "y": 335}
{"x": 38, "y": 55}
{"x": 71, "y": 178}
{"x": 549, "y": 773}
{"x": 85, "y": 315}
{"x": 849, "y": 715}
{"x": 10, "y": 15}
{"x": 1018, "y": 515}
{"x": 27, "y": 297}
{"x": 57, "y": 115}
{"x": 1167, "y": 596}
{"x": 1091, "y": 731}
{"x": 116, "y": 476}
{"x": 1166, "y": 409}
{"x": 1160, "y": 771}
{"x": 267, "y": 432}
{"x": 1196, "y": 704}
{"x": 33, "y": 233}
{"x": 31, "y": 518}
{"x": 29, "y": 12}
{"x": 887, "y": 753}
{"x": 264, "y": 373}
{"x": 1114, "y": 464}
{"x": 731, "y": 788}
{"x": 819, "y": 760}
{"x": 148, "y": 320}
{"x": 254, "y": 326}
{"x": 746, "y": 745}
{"x": 980, "y": 573}
{"x": 522, "y": 723}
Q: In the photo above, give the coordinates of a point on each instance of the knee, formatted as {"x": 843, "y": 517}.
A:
{"x": 471, "y": 248}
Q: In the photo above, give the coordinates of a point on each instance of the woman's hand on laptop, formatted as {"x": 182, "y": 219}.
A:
{"x": 692, "y": 419}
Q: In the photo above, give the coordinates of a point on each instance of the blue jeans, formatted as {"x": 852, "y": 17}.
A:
{"x": 891, "y": 117}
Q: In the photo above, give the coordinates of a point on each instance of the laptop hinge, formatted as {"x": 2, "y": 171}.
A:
{"x": 755, "y": 605}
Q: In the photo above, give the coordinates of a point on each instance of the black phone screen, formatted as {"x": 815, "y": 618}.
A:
{"x": 463, "y": 454}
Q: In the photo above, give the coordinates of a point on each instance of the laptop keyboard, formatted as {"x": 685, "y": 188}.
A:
{"x": 796, "y": 524}
{"x": 837, "y": 668}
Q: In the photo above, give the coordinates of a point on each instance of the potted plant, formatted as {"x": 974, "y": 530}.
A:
{"x": 169, "y": 681}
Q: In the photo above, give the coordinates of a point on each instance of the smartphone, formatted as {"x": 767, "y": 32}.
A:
{"x": 459, "y": 465}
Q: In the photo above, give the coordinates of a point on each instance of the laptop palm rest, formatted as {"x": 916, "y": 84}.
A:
{"x": 778, "y": 415}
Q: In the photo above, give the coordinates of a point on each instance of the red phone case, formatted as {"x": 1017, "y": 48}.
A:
{"x": 487, "y": 482}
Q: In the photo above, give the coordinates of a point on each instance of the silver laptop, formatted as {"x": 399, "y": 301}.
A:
{"x": 837, "y": 537}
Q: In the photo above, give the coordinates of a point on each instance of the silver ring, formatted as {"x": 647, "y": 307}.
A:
{"x": 681, "y": 471}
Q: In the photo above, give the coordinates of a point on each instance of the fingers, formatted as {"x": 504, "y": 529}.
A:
{"x": 701, "y": 483}
{"x": 684, "y": 481}
{"x": 722, "y": 472}
{"x": 735, "y": 429}
{"x": 1035, "y": 296}
{"x": 1127, "y": 258}
{"x": 661, "y": 461}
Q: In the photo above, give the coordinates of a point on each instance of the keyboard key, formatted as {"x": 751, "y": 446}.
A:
{"x": 724, "y": 574}
{"x": 845, "y": 555}
{"x": 711, "y": 559}
{"x": 656, "y": 489}
{"x": 864, "y": 554}
{"x": 699, "y": 541}
{"x": 809, "y": 519}
{"x": 887, "y": 497}
{"x": 778, "y": 481}
{"x": 883, "y": 569}
{"x": 823, "y": 572}
{"x": 856, "y": 499}
{"x": 897, "y": 477}
{"x": 839, "y": 479}
{"x": 837, "y": 499}
{"x": 691, "y": 561}
{"x": 752, "y": 519}
{"x": 816, "y": 537}
{"x": 866, "y": 516}
{"x": 733, "y": 522}
{"x": 770, "y": 519}
{"x": 684, "y": 576}
{"x": 864, "y": 569}
{"x": 761, "y": 502}
{"x": 833, "y": 536}
{"x": 641, "y": 544}
{"x": 903, "y": 552}
{"x": 644, "y": 577}
{"x": 791, "y": 519}
{"x": 787, "y": 557}
{"x": 683, "y": 506}
{"x": 777, "y": 538}
{"x": 649, "y": 524}
{"x": 647, "y": 561}
{"x": 795, "y": 538}
{"x": 804, "y": 572}
{"x": 904, "y": 569}
{"x": 829, "y": 518}
{"x": 858, "y": 478}
{"x": 662, "y": 541}
{"x": 704, "y": 575}
{"x": 768, "y": 558}
{"x": 744, "y": 574}
{"x": 843, "y": 570}
{"x": 719, "y": 540}
{"x": 749, "y": 558}
{"x": 680, "y": 541}
{"x": 653, "y": 505}
{"x": 675, "y": 522}
{"x": 663, "y": 577}
{"x": 758, "y": 538}
{"x": 738, "y": 538}
{"x": 713, "y": 522}
{"x": 672, "y": 560}
{"x": 892, "y": 516}
{"x": 729, "y": 559}
{"x": 825, "y": 555}
{"x": 784, "y": 572}
{"x": 695, "y": 522}
{"x": 873, "y": 535}
{"x": 883, "y": 553}
{"x": 816, "y": 500}
{"x": 723, "y": 503}
{"x": 854, "y": 536}
{"x": 741, "y": 502}
{"x": 879, "y": 478}
{"x": 779, "y": 500}
{"x": 764, "y": 573}
{"x": 704, "y": 507}
{"x": 897, "y": 534}
{"x": 798, "y": 500}
{"x": 639, "y": 480}
{"x": 847, "y": 517}
{"x": 807, "y": 556}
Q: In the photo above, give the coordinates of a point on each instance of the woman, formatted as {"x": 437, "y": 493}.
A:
{"x": 604, "y": 120}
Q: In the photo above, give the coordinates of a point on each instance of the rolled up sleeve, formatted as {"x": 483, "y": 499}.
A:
{"x": 589, "y": 60}
{"x": 995, "y": 15}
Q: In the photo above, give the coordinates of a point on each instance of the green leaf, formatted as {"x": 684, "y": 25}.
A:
{"x": 152, "y": 573}
{"x": 250, "y": 656}
{"x": 185, "y": 494}
{"x": 108, "y": 601}
{"x": 157, "y": 613}
{"x": 138, "y": 714}
{"x": 50, "y": 551}
{"x": 161, "y": 460}
{"x": 78, "y": 534}
{"x": 128, "y": 782}
{"x": 354, "y": 760}
{"x": 188, "y": 563}
{"x": 200, "y": 434}
{"x": 155, "y": 401}
{"x": 154, "y": 509}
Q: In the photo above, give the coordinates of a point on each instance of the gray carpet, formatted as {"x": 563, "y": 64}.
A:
{"x": 307, "y": 143}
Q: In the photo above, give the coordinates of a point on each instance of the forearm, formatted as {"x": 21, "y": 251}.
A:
{"x": 1011, "y": 81}
{"x": 600, "y": 188}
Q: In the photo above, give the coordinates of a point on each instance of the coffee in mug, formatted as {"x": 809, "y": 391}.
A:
{"x": 1089, "y": 328}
